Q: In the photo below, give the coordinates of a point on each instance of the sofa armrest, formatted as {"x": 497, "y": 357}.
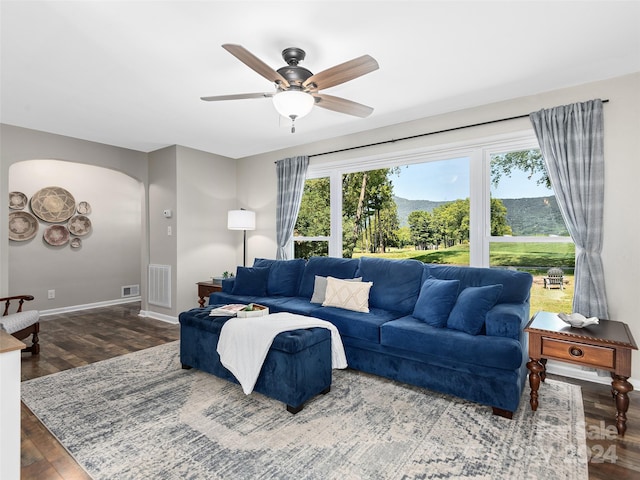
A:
{"x": 227, "y": 285}
{"x": 507, "y": 320}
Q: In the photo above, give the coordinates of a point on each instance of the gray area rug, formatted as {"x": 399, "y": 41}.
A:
{"x": 140, "y": 416}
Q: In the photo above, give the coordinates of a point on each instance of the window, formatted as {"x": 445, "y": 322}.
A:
{"x": 529, "y": 233}
{"x": 419, "y": 210}
{"x": 313, "y": 226}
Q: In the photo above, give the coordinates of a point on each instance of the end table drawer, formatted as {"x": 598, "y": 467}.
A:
{"x": 585, "y": 354}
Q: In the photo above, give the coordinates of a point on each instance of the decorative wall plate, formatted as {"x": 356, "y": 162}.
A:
{"x": 76, "y": 242}
{"x": 17, "y": 200}
{"x": 56, "y": 235}
{"x": 84, "y": 208}
{"x": 53, "y": 204}
{"x": 79, "y": 225}
{"x": 22, "y": 226}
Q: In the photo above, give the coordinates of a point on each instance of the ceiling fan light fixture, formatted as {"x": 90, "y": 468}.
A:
{"x": 293, "y": 103}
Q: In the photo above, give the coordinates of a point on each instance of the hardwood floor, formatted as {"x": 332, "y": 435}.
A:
{"x": 79, "y": 338}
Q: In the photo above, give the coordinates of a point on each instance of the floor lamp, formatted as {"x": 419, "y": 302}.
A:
{"x": 242, "y": 220}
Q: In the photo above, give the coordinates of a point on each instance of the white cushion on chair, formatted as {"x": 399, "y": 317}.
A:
{"x": 17, "y": 321}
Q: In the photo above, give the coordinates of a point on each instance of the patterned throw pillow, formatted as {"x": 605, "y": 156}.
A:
{"x": 320, "y": 288}
{"x": 346, "y": 294}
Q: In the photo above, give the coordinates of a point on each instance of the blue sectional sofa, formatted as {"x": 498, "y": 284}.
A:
{"x": 457, "y": 330}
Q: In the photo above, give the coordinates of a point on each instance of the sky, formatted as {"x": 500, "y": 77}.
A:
{"x": 449, "y": 180}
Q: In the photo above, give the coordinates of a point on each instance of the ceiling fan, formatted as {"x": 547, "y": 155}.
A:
{"x": 297, "y": 89}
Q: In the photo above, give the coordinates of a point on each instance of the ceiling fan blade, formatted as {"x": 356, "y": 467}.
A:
{"x": 238, "y": 96}
{"x": 253, "y": 62}
{"x": 343, "y": 105}
{"x": 342, "y": 73}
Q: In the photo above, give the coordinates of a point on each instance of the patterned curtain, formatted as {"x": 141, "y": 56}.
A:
{"x": 571, "y": 140}
{"x": 291, "y": 176}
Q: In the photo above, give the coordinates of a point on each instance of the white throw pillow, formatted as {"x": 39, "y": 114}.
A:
{"x": 347, "y": 294}
{"x": 320, "y": 288}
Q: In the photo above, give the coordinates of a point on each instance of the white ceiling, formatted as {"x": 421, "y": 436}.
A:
{"x": 131, "y": 74}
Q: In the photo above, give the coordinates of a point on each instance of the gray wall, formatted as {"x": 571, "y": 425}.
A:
{"x": 75, "y": 277}
{"x": 110, "y": 254}
{"x": 199, "y": 188}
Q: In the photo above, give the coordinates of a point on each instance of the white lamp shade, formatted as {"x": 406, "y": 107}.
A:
{"x": 293, "y": 103}
{"x": 241, "y": 220}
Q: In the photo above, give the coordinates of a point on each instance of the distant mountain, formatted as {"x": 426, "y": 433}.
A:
{"x": 531, "y": 216}
{"x": 526, "y": 216}
{"x": 405, "y": 207}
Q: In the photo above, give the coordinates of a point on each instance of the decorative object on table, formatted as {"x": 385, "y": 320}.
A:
{"x": 253, "y": 310}
{"x": 577, "y": 320}
{"x": 22, "y": 226}
{"x": 335, "y": 436}
{"x": 79, "y": 225}
{"x": 242, "y": 220}
{"x": 56, "y": 235}
{"x": 53, "y": 204}
{"x": 17, "y": 200}
{"x": 229, "y": 310}
{"x": 76, "y": 242}
{"x": 84, "y": 208}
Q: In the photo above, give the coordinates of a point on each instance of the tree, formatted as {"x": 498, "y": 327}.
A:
{"x": 529, "y": 161}
{"x": 314, "y": 218}
{"x": 369, "y": 214}
{"x": 499, "y": 224}
{"x": 421, "y": 228}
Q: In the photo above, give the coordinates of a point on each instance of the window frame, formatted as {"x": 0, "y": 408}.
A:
{"x": 478, "y": 151}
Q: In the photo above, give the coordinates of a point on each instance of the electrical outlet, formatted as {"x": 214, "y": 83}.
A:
{"x": 51, "y": 294}
{"x": 169, "y": 230}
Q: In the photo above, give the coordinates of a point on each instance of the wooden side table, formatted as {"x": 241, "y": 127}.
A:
{"x": 606, "y": 346}
{"x": 205, "y": 289}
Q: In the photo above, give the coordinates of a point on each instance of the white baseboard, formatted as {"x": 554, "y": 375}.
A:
{"x": 88, "y": 306}
{"x": 571, "y": 371}
{"x": 158, "y": 316}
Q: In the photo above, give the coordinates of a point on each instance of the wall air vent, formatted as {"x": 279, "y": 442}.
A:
{"x": 130, "y": 291}
{"x": 160, "y": 285}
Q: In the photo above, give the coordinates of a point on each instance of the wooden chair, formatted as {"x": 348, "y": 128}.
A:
{"x": 21, "y": 324}
{"x": 554, "y": 278}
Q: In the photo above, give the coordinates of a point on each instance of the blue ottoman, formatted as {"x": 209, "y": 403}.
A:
{"x": 297, "y": 367}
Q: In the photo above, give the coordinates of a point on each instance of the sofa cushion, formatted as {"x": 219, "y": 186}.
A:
{"x": 363, "y": 326}
{"x": 347, "y": 294}
{"x": 396, "y": 283}
{"x": 436, "y": 300}
{"x": 251, "y": 281}
{"x": 320, "y": 288}
{"x": 284, "y": 275}
{"x": 473, "y": 303}
{"x": 516, "y": 285}
{"x": 324, "y": 267}
{"x": 451, "y": 346}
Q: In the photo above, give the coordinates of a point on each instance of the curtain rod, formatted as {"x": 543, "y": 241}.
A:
{"x": 426, "y": 134}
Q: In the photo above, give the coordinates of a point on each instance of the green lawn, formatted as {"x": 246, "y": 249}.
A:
{"x": 535, "y": 258}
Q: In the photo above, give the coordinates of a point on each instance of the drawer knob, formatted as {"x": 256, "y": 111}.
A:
{"x": 576, "y": 352}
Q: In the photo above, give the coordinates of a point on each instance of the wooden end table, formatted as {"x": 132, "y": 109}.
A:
{"x": 205, "y": 289}
{"x": 606, "y": 346}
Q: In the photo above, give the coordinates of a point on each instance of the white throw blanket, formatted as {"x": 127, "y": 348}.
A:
{"x": 244, "y": 343}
